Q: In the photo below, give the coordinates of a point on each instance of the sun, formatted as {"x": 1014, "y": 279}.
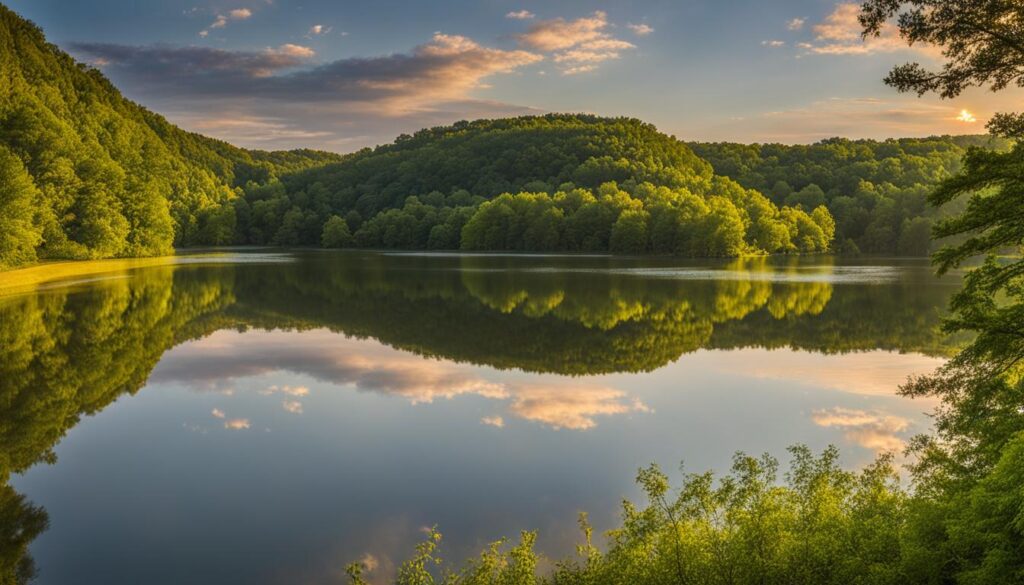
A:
{"x": 966, "y": 117}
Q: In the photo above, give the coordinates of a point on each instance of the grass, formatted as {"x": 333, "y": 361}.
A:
{"x": 29, "y": 279}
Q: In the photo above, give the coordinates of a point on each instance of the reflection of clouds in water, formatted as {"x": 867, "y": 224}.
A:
{"x": 369, "y": 563}
{"x": 872, "y": 430}
{"x": 217, "y": 413}
{"x": 877, "y": 373}
{"x": 371, "y": 366}
{"x": 571, "y": 407}
{"x": 236, "y": 424}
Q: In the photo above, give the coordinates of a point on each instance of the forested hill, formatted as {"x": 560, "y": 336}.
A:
{"x": 558, "y": 182}
{"x": 86, "y": 173}
{"x": 875, "y": 190}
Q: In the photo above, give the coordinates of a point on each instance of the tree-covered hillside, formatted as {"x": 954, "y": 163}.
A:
{"x": 88, "y": 174}
{"x": 875, "y": 190}
{"x": 543, "y": 183}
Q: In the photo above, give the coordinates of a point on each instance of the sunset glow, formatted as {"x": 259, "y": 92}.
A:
{"x": 966, "y": 117}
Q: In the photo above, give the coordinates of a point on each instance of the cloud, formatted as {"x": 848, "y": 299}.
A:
{"x": 289, "y": 390}
{"x": 208, "y": 67}
{"x": 871, "y": 430}
{"x": 578, "y": 45}
{"x": 236, "y": 424}
{"x": 840, "y": 34}
{"x": 558, "y": 33}
{"x": 294, "y": 51}
{"x": 593, "y": 52}
{"x": 520, "y": 15}
{"x": 796, "y": 23}
{"x": 277, "y": 98}
{"x": 773, "y": 44}
{"x": 446, "y": 68}
{"x": 640, "y": 29}
{"x": 494, "y": 421}
{"x": 292, "y": 406}
{"x": 217, "y": 413}
{"x": 319, "y": 29}
{"x": 221, "y": 20}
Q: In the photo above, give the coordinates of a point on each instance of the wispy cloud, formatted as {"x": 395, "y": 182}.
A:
{"x": 222, "y": 20}
{"x": 493, "y": 421}
{"x": 559, "y": 33}
{"x": 298, "y": 391}
{"x": 520, "y": 15}
{"x": 318, "y": 29}
{"x": 578, "y": 45}
{"x": 640, "y": 29}
{"x": 840, "y": 34}
{"x": 773, "y": 44}
{"x": 292, "y": 406}
{"x": 796, "y": 23}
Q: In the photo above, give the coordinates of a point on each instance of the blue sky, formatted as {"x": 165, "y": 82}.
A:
{"x": 342, "y": 75}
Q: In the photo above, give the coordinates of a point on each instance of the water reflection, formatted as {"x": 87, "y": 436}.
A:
{"x": 512, "y": 343}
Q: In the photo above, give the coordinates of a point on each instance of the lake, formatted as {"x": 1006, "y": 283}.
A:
{"x": 269, "y": 417}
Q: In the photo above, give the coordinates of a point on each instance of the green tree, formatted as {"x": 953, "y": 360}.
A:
{"x": 336, "y": 234}
{"x": 19, "y": 234}
{"x": 629, "y": 235}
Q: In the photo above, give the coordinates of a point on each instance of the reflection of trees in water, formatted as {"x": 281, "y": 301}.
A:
{"x": 68, "y": 354}
{"x": 71, "y": 352}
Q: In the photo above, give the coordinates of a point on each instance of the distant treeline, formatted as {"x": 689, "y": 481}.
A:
{"x": 550, "y": 183}
{"x": 876, "y": 190}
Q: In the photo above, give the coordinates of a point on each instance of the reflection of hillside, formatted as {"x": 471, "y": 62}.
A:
{"x": 71, "y": 354}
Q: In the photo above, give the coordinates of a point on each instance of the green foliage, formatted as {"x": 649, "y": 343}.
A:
{"x": 875, "y": 190}
{"x": 822, "y": 526}
{"x": 336, "y": 234}
{"x": 19, "y": 234}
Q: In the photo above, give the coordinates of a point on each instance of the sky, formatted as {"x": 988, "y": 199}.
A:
{"x": 341, "y": 75}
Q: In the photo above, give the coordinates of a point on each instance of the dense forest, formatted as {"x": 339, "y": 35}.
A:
{"x": 876, "y": 190}
{"x": 89, "y": 174}
{"x": 542, "y": 183}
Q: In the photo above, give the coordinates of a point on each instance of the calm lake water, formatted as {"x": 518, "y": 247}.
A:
{"x": 269, "y": 417}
